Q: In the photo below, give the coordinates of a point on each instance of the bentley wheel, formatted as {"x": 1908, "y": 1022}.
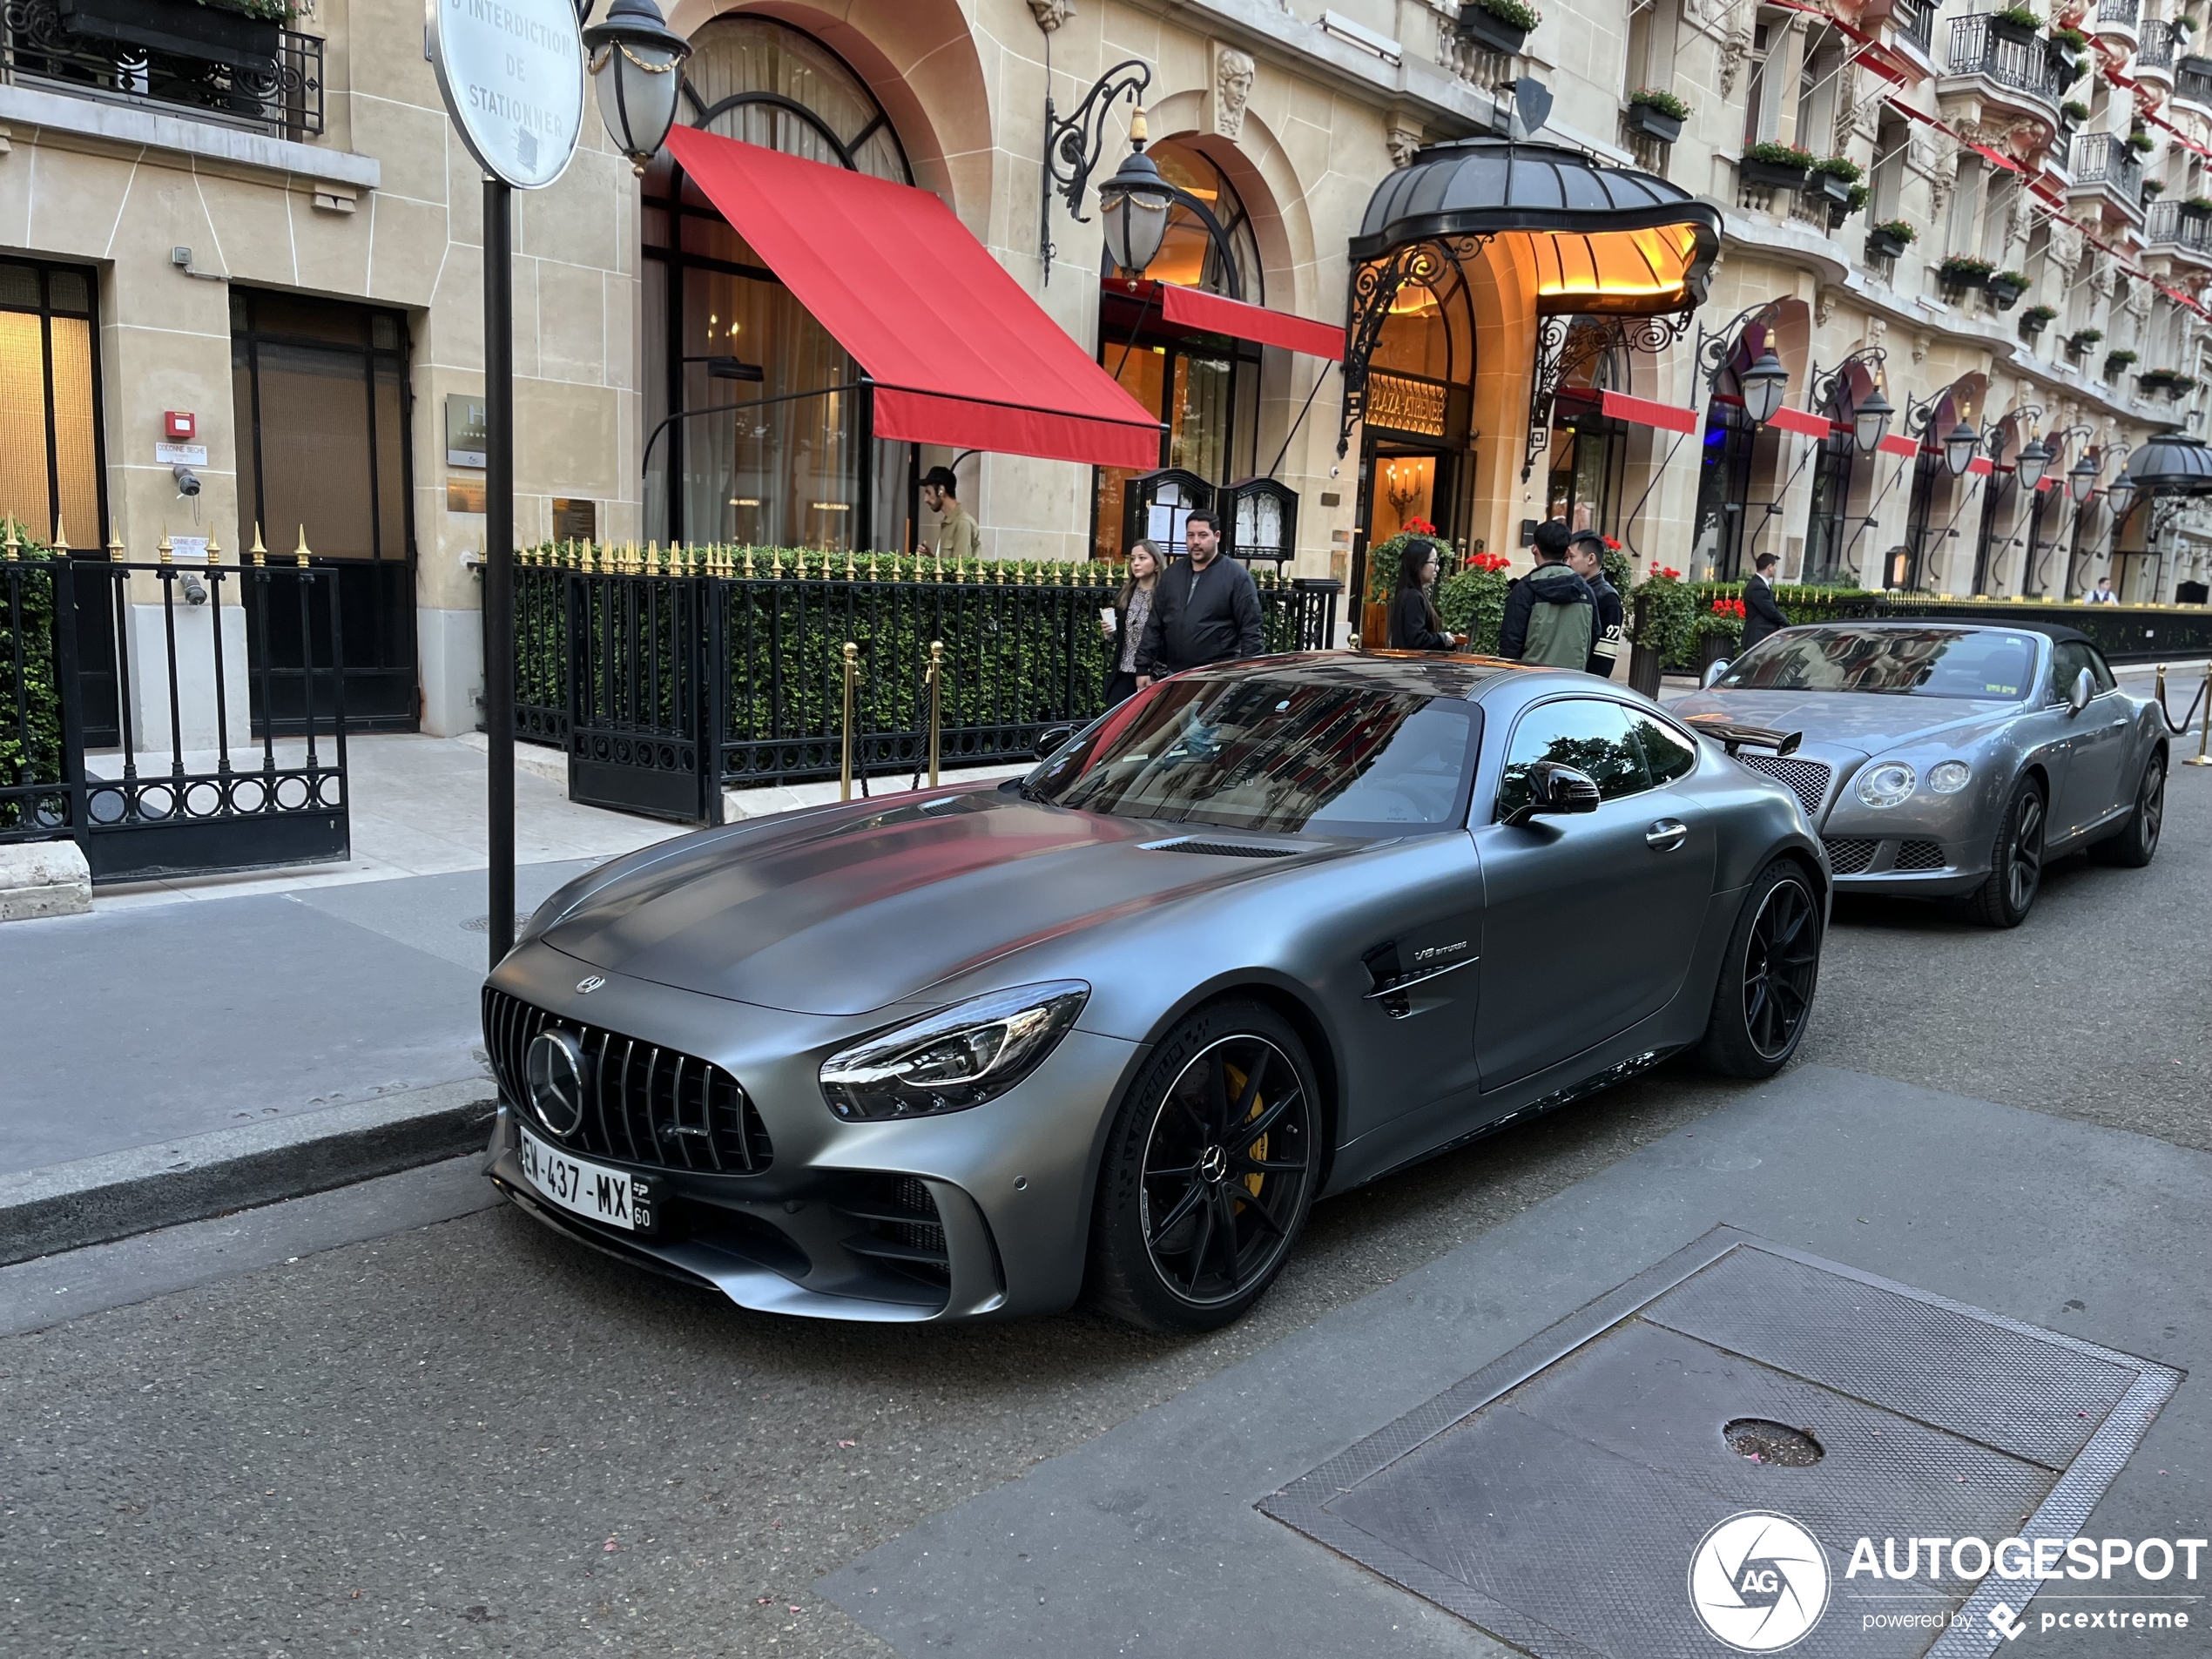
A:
{"x": 2015, "y": 860}
{"x": 1767, "y": 977}
{"x": 1208, "y": 1172}
{"x": 2137, "y": 842}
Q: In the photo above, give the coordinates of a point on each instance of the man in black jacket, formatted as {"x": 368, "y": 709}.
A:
{"x": 1761, "y": 615}
{"x": 1586, "y": 558}
{"x": 1205, "y": 609}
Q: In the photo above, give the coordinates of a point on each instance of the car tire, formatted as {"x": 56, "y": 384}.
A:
{"x": 2137, "y": 843}
{"x": 1207, "y": 1117}
{"x": 1764, "y": 998}
{"x": 2015, "y": 860}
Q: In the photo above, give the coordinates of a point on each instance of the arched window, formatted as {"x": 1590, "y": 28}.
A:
{"x": 1189, "y": 256}
{"x": 720, "y": 329}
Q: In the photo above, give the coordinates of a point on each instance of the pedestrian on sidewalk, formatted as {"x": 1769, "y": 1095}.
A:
{"x": 1413, "y": 624}
{"x": 957, "y": 536}
{"x": 1550, "y": 615}
{"x": 1762, "y": 616}
{"x": 2102, "y": 593}
{"x": 1586, "y": 558}
{"x": 1206, "y": 609}
{"x": 1124, "y": 625}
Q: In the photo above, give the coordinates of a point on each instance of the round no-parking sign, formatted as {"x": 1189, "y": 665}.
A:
{"x": 512, "y": 73}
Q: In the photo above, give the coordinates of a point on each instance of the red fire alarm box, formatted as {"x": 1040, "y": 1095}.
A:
{"x": 178, "y": 424}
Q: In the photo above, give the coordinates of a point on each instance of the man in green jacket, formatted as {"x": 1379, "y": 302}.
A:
{"x": 1550, "y": 616}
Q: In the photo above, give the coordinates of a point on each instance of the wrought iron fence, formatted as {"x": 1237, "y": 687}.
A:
{"x": 2025, "y": 65}
{"x": 2118, "y": 11}
{"x": 2193, "y": 81}
{"x": 2104, "y": 159}
{"x": 668, "y": 675}
{"x": 1915, "y": 20}
{"x": 234, "y": 68}
{"x": 2179, "y": 224}
{"x": 2154, "y": 48}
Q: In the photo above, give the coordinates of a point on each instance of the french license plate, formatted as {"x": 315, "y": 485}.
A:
{"x": 611, "y": 1197}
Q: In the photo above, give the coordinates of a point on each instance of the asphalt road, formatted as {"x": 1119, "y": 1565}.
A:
{"x": 474, "y": 1439}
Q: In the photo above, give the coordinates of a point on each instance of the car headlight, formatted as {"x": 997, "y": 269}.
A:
{"x": 1885, "y": 784}
{"x": 959, "y": 1058}
{"x": 1949, "y": 776}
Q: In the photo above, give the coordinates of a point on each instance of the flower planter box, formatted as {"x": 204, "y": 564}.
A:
{"x": 177, "y": 27}
{"x": 2005, "y": 294}
{"x": 2189, "y": 212}
{"x": 2031, "y": 326}
{"x": 1880, "y": 245}
{"x": 1962, "y": 281}
{"x": 1776, "y": 175}
{"x": 1655, "y": 123}
{"x": 1482, "y": 29}
{"x": 1828, "y": 187}
{"x": 2005, "y": 29}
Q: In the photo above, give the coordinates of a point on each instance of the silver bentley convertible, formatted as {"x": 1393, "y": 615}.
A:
{"x": 1262, "y": 934}
{"x": 1943, "y": 760}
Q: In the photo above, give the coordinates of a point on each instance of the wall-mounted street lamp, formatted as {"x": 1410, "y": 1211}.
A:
{"x": 1958, "y": 446}
{"x": 1764, "y": 383}
{"x": 2034, "y": 460}
{"x": 1134, "y": 206}
{"x": 1072, "y": 144}
{"x": 1870, "y": 416}
{"x": 637, "y": 64}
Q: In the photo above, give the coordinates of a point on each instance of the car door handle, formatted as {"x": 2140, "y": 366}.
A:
{"x": 1666, "y": 835}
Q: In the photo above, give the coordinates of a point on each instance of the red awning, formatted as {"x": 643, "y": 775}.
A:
{"x": 1642, "y": 411}
{"x": 959, "y": 354}
{"x": 1196, "y": 308}
{"x": 1893, "y": 445}
{"x": 1810, "y": 426}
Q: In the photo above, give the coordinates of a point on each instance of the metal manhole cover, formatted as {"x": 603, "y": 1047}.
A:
{"x": 1557, "y": 1497}
{"x": 482, "y": 924}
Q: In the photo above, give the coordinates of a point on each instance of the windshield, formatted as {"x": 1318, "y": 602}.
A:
{"x": 1263, "y": 754}
{"x": 1906, "y": 662}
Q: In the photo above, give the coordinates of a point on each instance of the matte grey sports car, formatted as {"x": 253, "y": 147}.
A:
{"x": 1947, "y": 760}
{"x": 1260, "y": 935}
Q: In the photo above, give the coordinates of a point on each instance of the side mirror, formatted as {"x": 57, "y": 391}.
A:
{"x": 1053, "y": 739}
{"x": 1712, "y": 675}
{"x": 1555, "y": 790}
{"x": 2079, "y": 693}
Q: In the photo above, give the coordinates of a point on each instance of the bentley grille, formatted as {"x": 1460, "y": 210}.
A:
{"x": 645, "y": 1104}
{"x": 1920, "y": 856}
{"x": 1849, "y": 856}
{"x": 1806, "y": 779}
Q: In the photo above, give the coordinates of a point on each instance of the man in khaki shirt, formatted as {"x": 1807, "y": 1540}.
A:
{"x": 957, "y": 535}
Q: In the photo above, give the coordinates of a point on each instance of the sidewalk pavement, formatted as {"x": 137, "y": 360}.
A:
{"x": 198, "y": 1045}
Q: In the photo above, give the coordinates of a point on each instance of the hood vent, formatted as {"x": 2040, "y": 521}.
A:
{"x": 1220, "y": 849}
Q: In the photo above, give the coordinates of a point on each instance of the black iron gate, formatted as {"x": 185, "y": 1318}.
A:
{"x": 193, "y": 783}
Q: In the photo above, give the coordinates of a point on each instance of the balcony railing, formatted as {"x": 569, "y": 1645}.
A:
{"x": 2154, "y": 48}
{"x": 2193, "y": 80}
{"x": 2166, "y": 223}
{"x": 2025, "y": 65}
{"x": 266, "y": 79}
{"x": 2105, "y": 158}
{"x": 1915, "y": 20}
{"x": 2119, "y": 11}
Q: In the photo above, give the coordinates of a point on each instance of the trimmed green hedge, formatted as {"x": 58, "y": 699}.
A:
{"x": 31, "y": 749}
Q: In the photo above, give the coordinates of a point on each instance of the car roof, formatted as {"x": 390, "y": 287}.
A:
{"x": 1428, "y": 673}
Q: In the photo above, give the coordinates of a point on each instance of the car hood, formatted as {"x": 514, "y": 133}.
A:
{"x": 1864, "y": 723}
{"x": 845, "y": 911}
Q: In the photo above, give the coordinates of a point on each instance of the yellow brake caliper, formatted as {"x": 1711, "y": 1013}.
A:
{"x": 1235, "y": 1080}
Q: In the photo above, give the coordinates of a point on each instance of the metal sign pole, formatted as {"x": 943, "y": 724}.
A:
{"x": 499, "y": 557}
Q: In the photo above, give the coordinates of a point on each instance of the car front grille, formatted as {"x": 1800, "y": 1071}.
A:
{"x": 646, "y": 1104}
{"x": 1806, "y": 779}
{"x": 1849, "y": 856}
{"x": 1920, "y": 856}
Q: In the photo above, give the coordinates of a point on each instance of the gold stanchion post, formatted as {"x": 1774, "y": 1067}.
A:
{"x": 845, "y": 760}
{"x": 937, "y": 702}
{"x": 2203, "y": 723}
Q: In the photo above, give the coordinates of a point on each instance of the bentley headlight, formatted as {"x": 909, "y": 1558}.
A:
{"x": 1887, "y": 784}
{"x": 959, "y": 1058}
{"x": 1949, "y": 776}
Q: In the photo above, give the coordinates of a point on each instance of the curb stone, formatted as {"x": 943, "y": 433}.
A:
{"x": 98, "y": 1200}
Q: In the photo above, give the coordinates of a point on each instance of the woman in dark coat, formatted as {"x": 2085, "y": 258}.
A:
{"x": 1414, "y": 624}
{"x": 1132, "y": 609}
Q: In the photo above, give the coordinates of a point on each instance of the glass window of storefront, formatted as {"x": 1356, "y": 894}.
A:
{"x": 1415, "y": 427}
{"x": 50, "y": 403}
{"x": 796, "y": 471}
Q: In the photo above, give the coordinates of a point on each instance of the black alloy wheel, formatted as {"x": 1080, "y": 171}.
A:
{"x": 2137, "y": 843}
{"x": 1767, "y": 977}
{"x": 1209, "y": 1172}
{"x": 1780, "y": 968}
{"x": 2015, "y": 860}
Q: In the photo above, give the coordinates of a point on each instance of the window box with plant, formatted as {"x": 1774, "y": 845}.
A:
{"x": 1963, "y": 272}
{"x": 2074, "y": 112}
{"x": 2197, "y": 210}
{"x": 1832, "y": 178}
{"x": 2082, "y": 339}
{"x": 2141, "y": 142}
{"x": 2153, "y": 188}
{"x": 2005, "y": 288}
{"x": 1889, "y": 239}
{"x": 2069, "y": 49}
{"x": 1498, "y": 25}
{"x": 1657, "y": 113}
{"x": 2036, "y": 318}
{"x": 2117, "y": 363}
{"x": 1781, "y": 166}
{"x": 242, "y": 33}
{"x": 1854, "y": 199}
{"x": 2171, "y": 382}
{"x": 2014, "y": 23}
